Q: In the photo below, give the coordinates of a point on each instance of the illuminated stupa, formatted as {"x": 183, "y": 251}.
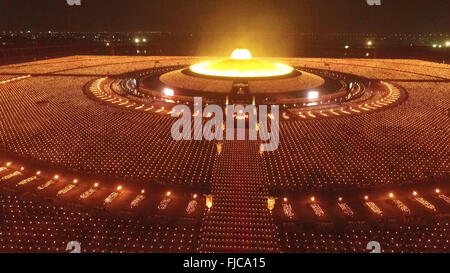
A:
{"x": 237, "y": 79}
{"x": 241, "y": 65}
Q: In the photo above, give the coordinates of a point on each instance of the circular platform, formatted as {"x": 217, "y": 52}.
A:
{"x": 298, "y": 82}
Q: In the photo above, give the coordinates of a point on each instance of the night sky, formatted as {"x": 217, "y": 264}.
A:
{"x": 304, "y": 16}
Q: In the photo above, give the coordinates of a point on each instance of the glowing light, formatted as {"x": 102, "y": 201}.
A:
{"x": 313, "y": 199}
{"x": 366, "y": 197}
{"x": 347, "y": 47}
{"x": 168, "y": 193}
{"x": 414, "y": 193}
{"x": 142, "y": 191}
{"x": 270, "y": 203}
{"x": 38, "y": 172}
{"x": 75, "y": 181}
{"x": 22, "y": 168}
{"x": 96, "y": 185}
{"x": 285, "y": 199}
{"x": 219, "y": 148}
{"x": 55, "y": 176}
{"x": 437, "y": 190}
{"x": 312, "y": 95}
{"x": 119, "y": 188}
{"x": 168, "y": 92}
{"x": 194, "y": 196}
{"x": 369, "y": 43}
{"x": 8, "y": 164}
{"x": 447, "y": 44}
{"x": 241, "y": 64}
{"x": 391, "y": 195}
{"x": 261, "y": 149}
{"x": 241, "y": 54}
{"x": 209, "y": 201}
{"x": 434, "y": 45}
{"x": 340, "y": 199}
{"x": 137, "y": 40}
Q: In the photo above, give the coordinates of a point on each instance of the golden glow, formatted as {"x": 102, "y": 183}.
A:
{"x": 285, "y": 199}
{"x": 270, "y": 203}
{"x": 209, "y": 200}
{"x": 313, "y": 199}
{"x": 119, "y": 188}
{"x": 414, "y": 193}
{"x": 142, "y": 191}
{"x": 241, "y": 54}
{"x": 96, "y": 185}
{"x": 437, "y": 190}
{"x": 391, "y": 195}
{"x": 366, "y": 197}
{"x": 168, "y": 193}
{"x": 75, "y": 181}
{"x": 219, "y": 148}
{"x": 241, "y": 64}
{"x": 56, "y": 177}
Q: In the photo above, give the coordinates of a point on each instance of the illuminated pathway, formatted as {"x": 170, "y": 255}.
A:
{"x": 239, "y": 220}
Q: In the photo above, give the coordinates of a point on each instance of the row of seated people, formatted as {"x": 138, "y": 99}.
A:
{"x": 50, "y": 119}
{"x": 406, "y": 239}
{"x": 33, "y": 226}
{"x": 392, "y": 147}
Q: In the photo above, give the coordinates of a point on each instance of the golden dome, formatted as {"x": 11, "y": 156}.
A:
{"x": 241, "y": 64}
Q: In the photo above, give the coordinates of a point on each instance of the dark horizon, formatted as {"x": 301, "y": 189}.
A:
{"x": 258, "y": 16}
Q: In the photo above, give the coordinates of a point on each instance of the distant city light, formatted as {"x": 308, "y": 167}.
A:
{"x": 312, "y": 95}
{"x": 434, "y": 45}
{"x": 369, "y": 43}
{"x": 347, "y": 47}
{"x": 447, "y": 44}
{"x": 137, "y": 40}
